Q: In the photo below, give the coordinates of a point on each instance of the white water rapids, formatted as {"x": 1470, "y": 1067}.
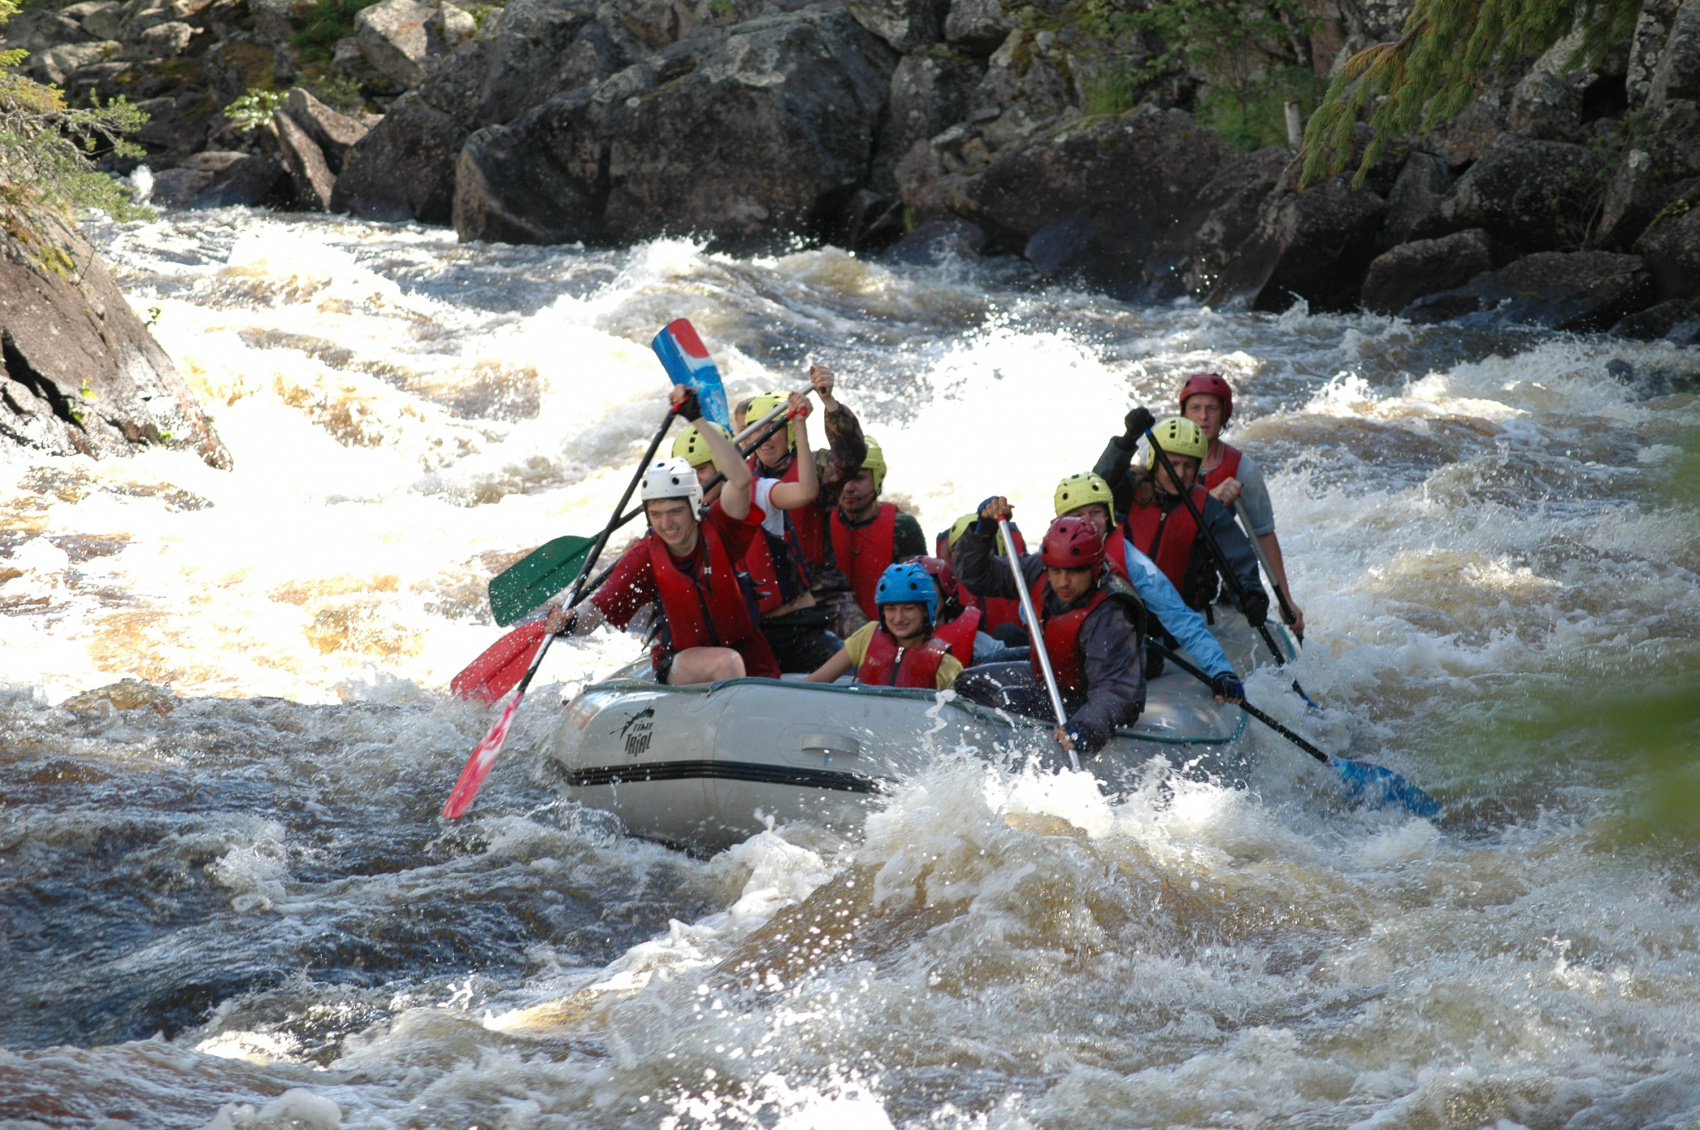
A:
{"x": 226, "y": 898}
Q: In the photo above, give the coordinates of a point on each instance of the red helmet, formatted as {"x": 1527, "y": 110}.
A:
{"x": 1072, "y": 543}
{"x": 1211, "y": 384}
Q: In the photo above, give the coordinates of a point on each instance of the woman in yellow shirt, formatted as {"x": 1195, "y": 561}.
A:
{"x": 900, "y": 650}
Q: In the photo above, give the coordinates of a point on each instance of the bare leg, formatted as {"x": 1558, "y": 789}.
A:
{"x": 705, "y": 665}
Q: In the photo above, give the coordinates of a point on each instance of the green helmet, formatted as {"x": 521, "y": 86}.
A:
{"x": 765, "y": 403}
{"x": 1178, "y": 435}
{"x": 1083, "y": 490}
{"x": 875, "y": 462}
{"x": 690, "y": 446}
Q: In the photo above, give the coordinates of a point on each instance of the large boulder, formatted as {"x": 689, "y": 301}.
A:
{"x": 1675, "y": 319}
{"x": 221, "y": 178}
{"x": 929, "y": 93}
{"x": 1678, "y": 72}
{"x": 1671, "y": 247}
{"x": 1416, "y": 196}
{"x": 79, "y": 372}
{"x": 309, "y": 175}
{"x": 744, "y": 135}
{"x": 1529, "y": 195}
{"x": 397, "y": 37}
{"x": 1096, "y": 197}
{"x": 908, "y": 25}
{"x": 335, "y": 134}
{"x": 1401, "y": 276}
{"x": 979, "y": 26}
{"x": 1316, "y": 245}
{"x": 1582, "y": 291}
{"x": 405, "y": 167}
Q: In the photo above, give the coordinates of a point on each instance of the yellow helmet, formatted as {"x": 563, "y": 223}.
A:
{"x": 765, "y": 403}
{"x": 1178, "y": 435}
{"x": 875, "y": 462}
{"x": 1083, "y": 490}
{"x": 962, "y": 524}
{"x": 690, "y": 446}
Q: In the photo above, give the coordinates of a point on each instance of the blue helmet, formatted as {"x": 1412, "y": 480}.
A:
{"x": 908, "y": 584}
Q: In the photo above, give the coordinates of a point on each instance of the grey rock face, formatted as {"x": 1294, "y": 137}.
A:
{"x": 37, "y": 29}
{"x": 929, "y": 92}
{"x": 1316, "y": 245}
{"x": 1671, "y": 248}
{"x": 405, "y": 168}
{"x": 79, "y": 372}
{"x": 908, "y": 25}
{"x": 1416, "y": 196}
{"x": 1531, "y": 195}
{"x": 309, "y": 175}
{"x": 1678, "y": 72}
{"x": 218, "y": 179}
{"x": 334, "y": 134}
{"x": 1547, "y": 104}
{"x": 742, "y": 135}
{"x": 979, "y": 26}
{"x": 1401, "y": 276}
{"x": 1581, "y": 291}
{"x": 391, "y": 35}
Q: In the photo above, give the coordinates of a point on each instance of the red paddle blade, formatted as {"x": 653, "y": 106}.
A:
{"x": 478, "y": 765}
{"x": 501, "y": 667}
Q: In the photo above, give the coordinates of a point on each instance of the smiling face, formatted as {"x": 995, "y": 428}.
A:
{"x": 1205, "y": 411}
{"x": 674, "y": 523}
{"x": 1069, "y": 584}
{"x": 774, "y": 451}
{"x": 906, "y": 621}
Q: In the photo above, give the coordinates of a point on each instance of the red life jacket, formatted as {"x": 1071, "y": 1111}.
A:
{"x": 1228, "y": 468}
{"x": 997, "y": 610}
{"x": 809, "y": 521}
{"x": 887, "y": 665}
{"x": 958, "y": 635}
{"x": 709, "y": 610}
{"x": 1115, "y": 553}
{"x": 1166, "y": 538}
{"x": 1062, "y": 639}
{"x": 863, "y": 552}
{"x": 776, "y": 566}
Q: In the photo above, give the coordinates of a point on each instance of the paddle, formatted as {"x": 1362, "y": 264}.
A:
{"x": 495, "y": 672}
{"x": 1221, "y": 558}
{"x": 1014, "y": 560}
{"x": 484, "y": 756}
{"x": 545, "y": 571}
{"x": 1365, "y": 781}
{"x": 1287, "y": 612}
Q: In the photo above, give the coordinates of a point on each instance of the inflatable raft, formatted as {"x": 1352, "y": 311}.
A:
{"x": 705, "y": 767}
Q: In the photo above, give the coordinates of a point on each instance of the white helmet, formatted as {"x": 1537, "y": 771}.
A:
{"x": 673, "y": 477}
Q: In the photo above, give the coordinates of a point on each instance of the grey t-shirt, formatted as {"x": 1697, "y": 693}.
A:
{"x": 1256, "y": 496}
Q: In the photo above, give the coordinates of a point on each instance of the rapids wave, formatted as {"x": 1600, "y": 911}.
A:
{"x": 228, "y": 900}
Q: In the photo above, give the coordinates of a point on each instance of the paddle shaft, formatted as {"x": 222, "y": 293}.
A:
{"x": 1036, "y": 631}
{"x": 1221, "y": 558}
{"x": 1287, "y": 612}
{"x": 1296, "y": 738}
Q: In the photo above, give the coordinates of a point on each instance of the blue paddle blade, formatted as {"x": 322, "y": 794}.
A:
{"x": 1378, "y": 786}
{"x": 687, "y": 362}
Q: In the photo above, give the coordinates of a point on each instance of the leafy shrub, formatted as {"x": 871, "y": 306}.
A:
{"x": 324, "y": 24}
{"x": 255, "y": 108}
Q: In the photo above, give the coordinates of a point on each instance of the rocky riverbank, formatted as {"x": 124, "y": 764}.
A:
{"x": 1559, "y": 199}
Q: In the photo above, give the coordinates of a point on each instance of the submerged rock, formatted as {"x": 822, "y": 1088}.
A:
{"x": 1316, "y": 245}
{"x": 81, "y": 372}
{"x": 218, "y": 179}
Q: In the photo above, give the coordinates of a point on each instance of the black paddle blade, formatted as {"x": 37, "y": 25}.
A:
{"x": 538, "y": 576}
{"x": 1379, "y": 786}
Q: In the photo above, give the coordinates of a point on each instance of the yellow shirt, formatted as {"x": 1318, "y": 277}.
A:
{"x": 857, "y": 645}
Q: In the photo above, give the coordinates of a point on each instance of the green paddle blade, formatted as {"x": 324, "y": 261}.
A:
{"x": 537, "y": 577}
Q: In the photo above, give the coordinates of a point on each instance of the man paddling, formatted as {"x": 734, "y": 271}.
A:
{"x": 691, "y": 565}
{"x": 1231, "y": 476}
{"x": 1089, "y": 625}
{"x": 1087, "y": 496}
{"x": 867, "y": 534}
{"x": 900, "y": 650}
{"x": 1160, "y": 525}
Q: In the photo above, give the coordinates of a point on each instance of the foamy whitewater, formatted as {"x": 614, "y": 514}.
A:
{"x": 226, "y": 898}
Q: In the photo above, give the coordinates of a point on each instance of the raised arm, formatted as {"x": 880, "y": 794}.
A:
{"x": 789, "y": 496}
{"x": 735, "y": 498}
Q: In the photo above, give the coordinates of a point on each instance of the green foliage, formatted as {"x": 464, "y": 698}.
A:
{"x": 1112, "y": 93}
{"x": 1425, "y": 78}
{"x": 324, "y": 24}
{"x": 1258, "y": 117}
{"x": 255, "y": 108}
{"x": 340, "y": 92}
